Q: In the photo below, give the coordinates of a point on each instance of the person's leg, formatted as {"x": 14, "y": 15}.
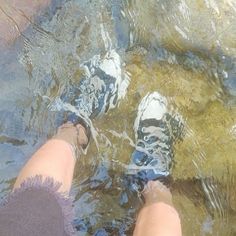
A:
{"x": 40, "y": 196}
{"x": 158, "y": 217}
{"x": 56, "y": 158}
{"x": 39, "y": 186}
{"x": 93, "y": 100}
{"x": 156, "y": 130}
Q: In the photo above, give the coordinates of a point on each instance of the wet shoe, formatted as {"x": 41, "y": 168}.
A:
{"x": 103, "y": 85}
{"x": 156, "y": 130}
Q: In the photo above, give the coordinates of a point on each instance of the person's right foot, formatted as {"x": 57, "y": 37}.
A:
{"x": 102, "y": 86}
{"x": 156, "y": 130}
{"x": 155, "y": 191}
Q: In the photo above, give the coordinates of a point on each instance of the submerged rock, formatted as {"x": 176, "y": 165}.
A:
{"x": 205, "y": 28}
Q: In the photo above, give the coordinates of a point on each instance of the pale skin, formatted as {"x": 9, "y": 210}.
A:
{"x": 158, "y": 217}
{"x": 56, "y": 159}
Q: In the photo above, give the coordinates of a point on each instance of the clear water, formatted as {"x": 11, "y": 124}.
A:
{"x": 184, "y": 49}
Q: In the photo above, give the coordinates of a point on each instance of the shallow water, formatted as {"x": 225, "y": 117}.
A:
{"x": 186, "y": 51}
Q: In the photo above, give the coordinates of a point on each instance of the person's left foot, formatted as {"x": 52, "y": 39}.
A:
{"x": 102, "y": 86}
{"x": 75, "y": 135}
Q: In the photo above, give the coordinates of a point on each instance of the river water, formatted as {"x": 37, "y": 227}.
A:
{"x": 185, "y": 50}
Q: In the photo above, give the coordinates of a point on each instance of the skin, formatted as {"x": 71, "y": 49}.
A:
{"x": 15, "y": 17}
{"x": 158, "y": 217}
{"x": 57, "y": 157}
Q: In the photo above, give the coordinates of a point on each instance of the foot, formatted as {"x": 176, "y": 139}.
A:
{"x": 75, "y": 135}
{"x": 156, "y": 130}
{"x": 158, "y": 216}
{"x": 155, "y": 192}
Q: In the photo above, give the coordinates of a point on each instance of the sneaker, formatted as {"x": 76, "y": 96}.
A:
{"x": 156, "y": 130}
{"x": 103, "y": 85}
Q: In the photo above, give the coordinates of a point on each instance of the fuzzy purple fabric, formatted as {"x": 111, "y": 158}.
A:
{"x": 36, "y": 209}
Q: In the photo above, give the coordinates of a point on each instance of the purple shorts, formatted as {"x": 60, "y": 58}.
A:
{"x": 36, "y": 209}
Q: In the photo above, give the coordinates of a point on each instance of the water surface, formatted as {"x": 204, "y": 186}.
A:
{"x": 185, "y": 50}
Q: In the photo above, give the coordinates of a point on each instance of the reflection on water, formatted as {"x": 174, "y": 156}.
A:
{"x": 183, "y": 49}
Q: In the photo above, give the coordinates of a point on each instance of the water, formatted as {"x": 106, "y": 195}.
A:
{"x": 185, "y": 50}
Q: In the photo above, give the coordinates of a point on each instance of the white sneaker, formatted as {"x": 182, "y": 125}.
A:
{"x": 156, "y": 130}
{"x": 102, "y": 86}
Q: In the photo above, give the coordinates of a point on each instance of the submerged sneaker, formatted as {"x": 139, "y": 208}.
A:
{"x": 156, "y": 130}
{"x": 103, "y": 85}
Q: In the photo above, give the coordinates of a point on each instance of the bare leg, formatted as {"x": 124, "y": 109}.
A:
{"x": 56, "y": 158}
{"x": 158, "y": 217}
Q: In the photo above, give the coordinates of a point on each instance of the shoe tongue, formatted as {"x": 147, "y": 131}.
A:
{"x": 140, "y": 158}
{"x": 145, "y": 167}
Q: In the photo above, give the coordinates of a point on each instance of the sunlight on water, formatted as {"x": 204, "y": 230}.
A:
{"x": 185, "y": 50}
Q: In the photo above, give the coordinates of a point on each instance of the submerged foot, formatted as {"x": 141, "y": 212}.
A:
{"x": 155, "y": 192}
{"x": 156, "y": 130}
{"x": 75, "y": 135}
{"x": 102, "y": 86}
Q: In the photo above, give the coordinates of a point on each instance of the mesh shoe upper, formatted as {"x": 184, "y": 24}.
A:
{"x": 102, "y": 86}
{"x": 155, "y": 132}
